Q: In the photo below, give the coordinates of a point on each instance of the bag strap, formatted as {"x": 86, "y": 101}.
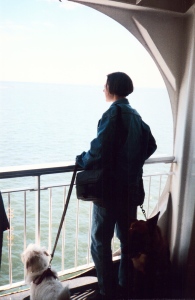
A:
{"x": 64, "y": 212}
{"x": 120, "y": 129}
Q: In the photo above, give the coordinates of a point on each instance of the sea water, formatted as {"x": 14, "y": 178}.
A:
{"x": 44, "y": 123}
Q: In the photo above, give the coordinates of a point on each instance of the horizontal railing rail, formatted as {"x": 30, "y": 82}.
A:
{"x": 37, "y": 171}
{"x": 61, "y": 167}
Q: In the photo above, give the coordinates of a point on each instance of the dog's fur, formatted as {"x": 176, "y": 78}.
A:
{"x": 44, "y": 281}
{"x": 150, "y": 256}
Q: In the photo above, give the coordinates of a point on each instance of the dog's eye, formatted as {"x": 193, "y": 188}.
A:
{"x": 132, "y": 226}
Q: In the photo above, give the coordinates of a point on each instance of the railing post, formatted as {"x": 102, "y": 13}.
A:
{"x": 37, "y": 210}
{"x": 63, "y": 231}
{"x": 89, "y": 233}
{"x": 50, "y": 220}
{"x": 25, "y": 220}
{"x": 76, "y": 235}
{"x": 148, "y": 206}
{"x": 159, "y": 193}
{"x": 10, "y": 237}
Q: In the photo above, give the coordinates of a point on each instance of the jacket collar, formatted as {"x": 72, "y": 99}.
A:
{"x": 120, "y": 101}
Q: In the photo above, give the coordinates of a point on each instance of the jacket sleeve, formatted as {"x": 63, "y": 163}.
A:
{"x": 148, "y": 142}
{"x": 151, "y": 145}
{"x": 102, "y": 147}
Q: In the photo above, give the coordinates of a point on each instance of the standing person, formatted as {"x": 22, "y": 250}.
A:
{"x": 122, "y": 145}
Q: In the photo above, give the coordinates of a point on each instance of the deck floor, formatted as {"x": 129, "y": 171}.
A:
{"x": 80, "y": 288}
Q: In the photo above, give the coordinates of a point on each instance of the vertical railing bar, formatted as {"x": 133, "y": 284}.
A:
{"x": 63, "y": 232}
{"x": 113, "y": 239}
{"x": 50, "y": 220}
{"x": 159, "y": 193}
{"x": 112, "y": 243}
{"x": 24, "y": 219}
{"x": 37, "y": 211}
{"x": 89, "y": 234}
{"x": 10, "y": 239}
{"x": 76, "y": 235}
{"x": 24, "y": 227}
{"x": 148, "y": 197}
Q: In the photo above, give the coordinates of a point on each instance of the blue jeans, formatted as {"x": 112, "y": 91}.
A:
{"x": 104, "y": 222}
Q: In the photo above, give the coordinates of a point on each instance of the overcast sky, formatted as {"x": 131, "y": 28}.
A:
{"x": 64, "y": 42}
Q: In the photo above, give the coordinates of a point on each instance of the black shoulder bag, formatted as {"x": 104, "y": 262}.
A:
{"x": 89, "y": 185}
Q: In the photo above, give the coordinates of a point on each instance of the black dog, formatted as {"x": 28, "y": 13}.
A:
{"x": 150, "y": 256}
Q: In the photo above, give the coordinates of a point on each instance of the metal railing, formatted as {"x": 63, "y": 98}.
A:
{"x": 41, "y": 216}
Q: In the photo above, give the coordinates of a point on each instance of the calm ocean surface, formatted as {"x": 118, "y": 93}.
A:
{"x": 44, "y": 123}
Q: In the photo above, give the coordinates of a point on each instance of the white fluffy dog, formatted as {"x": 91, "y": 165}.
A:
{"x": 45, "y": 284}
